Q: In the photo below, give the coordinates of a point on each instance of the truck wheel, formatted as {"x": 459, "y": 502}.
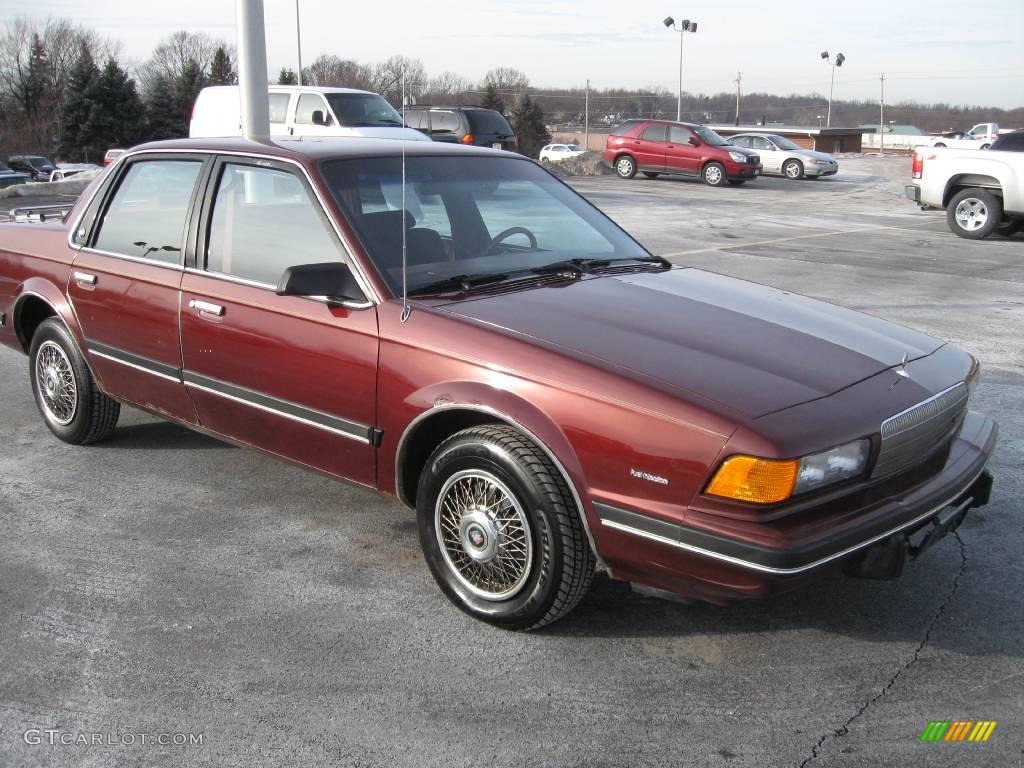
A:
{"x": 714, "y": 174}
{"x": 793, "y": 170}
{"x": 625, "y": 166}
{"x": 974, "y": 213}
{"x": 500, "y": 530}
{"x": 67, "y": 396}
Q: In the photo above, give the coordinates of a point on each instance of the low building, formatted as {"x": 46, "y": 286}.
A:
{"x": 820, "y": 139}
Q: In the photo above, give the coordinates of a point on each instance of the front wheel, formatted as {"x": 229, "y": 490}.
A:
{"x": 625, "y": 166}
{"x": 714, "y": 174}
{"x": 500, "y": 530}
{"x": 974, "y": 213}
{"x": 793, "y": 170}
{"x": 67, "y": 396}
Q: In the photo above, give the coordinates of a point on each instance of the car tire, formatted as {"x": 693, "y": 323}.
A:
{"x": 477, "y": 486}
{"x": 713, "y": 174}
{"x": 974, "y": 213}
{"x": 737, "y": 182}
{"x": 651, "y": 175}
{"x": 793, "y": 170}
{"x": 986, "y": 146}
{"x": 625, "y": 167}
{"x": 71, "y": 404}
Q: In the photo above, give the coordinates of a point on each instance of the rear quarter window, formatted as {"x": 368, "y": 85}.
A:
{"x": 488, "y": 121}
{"x": 625, "y": 128}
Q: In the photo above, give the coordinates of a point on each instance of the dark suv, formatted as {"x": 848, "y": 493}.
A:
{"x": 37, "y": 167}
{"x": 654, "y": 147}
{"x": 463, "y": 125}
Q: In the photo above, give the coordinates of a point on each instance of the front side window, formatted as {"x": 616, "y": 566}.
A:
{"x": 761, "y": 144}
{"x": 264, "y": 221}
{"x": 740, "y": 141}
{"x": 474, "y": 216}
{"x": 308, "y": 104}
{"x": 146, "y": 217}
{"x": 679, "y": 135}
{"x": 709, "y": 137}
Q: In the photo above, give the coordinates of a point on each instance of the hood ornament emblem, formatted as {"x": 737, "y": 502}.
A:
{"x": 902, "y": 370}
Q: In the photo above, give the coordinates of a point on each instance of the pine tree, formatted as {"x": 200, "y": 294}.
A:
{"x": 76, "y": 113}
{"x": 287, "y": 77}
{"x": 528, "y": 123}
{"x": 186, "y": 89}
{"x": 117, "y": 115}
{"x": 161, "y": 114}
{"x": 221, "y": 70}
{"x": 36, "y": 79}
{"x": 492, "y": 100}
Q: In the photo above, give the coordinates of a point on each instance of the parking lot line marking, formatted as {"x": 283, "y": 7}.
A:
{"x": 811, "y": 235}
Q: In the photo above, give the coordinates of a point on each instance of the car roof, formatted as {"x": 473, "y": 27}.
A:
{"x": 314, "y": 149}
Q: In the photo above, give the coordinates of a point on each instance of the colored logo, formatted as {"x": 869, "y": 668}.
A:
{"x": 958, "y": 730}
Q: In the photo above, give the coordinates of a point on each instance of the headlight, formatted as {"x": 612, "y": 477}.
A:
{"x": 769, "y": 481}
{"x": 739, "y": 157}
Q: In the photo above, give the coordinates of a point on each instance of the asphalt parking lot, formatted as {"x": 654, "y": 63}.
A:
{"x": 162, "y": 582}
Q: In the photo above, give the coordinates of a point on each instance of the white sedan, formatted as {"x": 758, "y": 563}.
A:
{"x": 781, "y": 156}
{"x": 556, "y": 153}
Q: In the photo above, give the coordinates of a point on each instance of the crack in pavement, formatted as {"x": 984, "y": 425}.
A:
{"x": 845, "y": 727}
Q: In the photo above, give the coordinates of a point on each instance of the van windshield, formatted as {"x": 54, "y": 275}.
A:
{"x": 355, "y": 110}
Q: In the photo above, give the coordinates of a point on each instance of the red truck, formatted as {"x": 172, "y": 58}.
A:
{"x": 550, "y": 397}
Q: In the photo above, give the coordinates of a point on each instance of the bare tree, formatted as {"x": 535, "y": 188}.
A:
{"x": 387, "y": 78}
{"x": 172, "y": 55}
{"x": 449, "y": 86}
{"x": 330, "y": 70}
{"x": 507, "y": 80}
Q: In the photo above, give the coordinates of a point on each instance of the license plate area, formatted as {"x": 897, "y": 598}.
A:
{"x": 496, "y": 145}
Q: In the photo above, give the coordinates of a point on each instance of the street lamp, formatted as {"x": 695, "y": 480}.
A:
{"x": 684, "y": 26}
{"x": 838, "y": 62}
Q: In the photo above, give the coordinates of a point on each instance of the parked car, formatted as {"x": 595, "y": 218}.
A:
{"x": 8, "y": 177}
{"x": 1009, "y": 142}
{"x": 556, "y": 153}
{"x": 67, "y": 170}
{"x": 781, "y": 156}
{"x": 550, "y": 395}
{"x": 980, "y": 136}
{"x": 37, "y": 167}
{"x": 981, "y": 192}
{"x": 111, "y": 155}
{"x": 463, "y": 125}
{"x": 656, "y": 147}
{"x": 302, "y": 111}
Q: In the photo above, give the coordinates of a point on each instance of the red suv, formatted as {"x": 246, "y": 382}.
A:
{"x": 654, "y": 147}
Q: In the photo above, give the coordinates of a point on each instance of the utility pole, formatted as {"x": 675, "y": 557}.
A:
{"x": 298, "y": 41}
{"x": 252, "y": 70}
{"x": 739, "y": 79}
{"x": 881, "y": 117}
{"x": 586, "y": 119}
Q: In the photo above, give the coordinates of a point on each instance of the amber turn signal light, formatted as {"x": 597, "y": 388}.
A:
{"x": 761, "y": 481}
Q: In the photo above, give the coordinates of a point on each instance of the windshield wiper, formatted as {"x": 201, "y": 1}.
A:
{"x": 458, "y": 283}
{"x": 594, "y": 265}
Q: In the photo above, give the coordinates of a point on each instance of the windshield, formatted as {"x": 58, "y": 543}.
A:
{"x": 470, "y": 217}
{"x": 355, "y": 110}
{"x": 783, "y": 143}
{"x": 39, "y": 162}
{"x": 708, "y": 136}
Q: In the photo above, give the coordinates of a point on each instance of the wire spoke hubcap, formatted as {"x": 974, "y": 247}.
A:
{"x": 971, "y": 214}
{"x": 484, "y": 534}
{"x": 55, "y": 382}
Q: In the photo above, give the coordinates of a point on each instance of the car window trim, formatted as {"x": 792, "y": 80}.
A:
{"x": 110, "y": 188}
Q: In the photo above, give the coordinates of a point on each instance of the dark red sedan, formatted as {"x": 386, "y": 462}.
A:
{"x": 552, "y": 398}
{"x": 657, "y": 147}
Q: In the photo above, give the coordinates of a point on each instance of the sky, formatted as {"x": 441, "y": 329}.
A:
{"x": 958, "y": 52}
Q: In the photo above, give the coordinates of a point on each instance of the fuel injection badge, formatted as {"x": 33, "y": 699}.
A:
{"x": 639, "y": 474}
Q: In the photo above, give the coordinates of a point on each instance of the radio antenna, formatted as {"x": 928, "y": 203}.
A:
{"x": 406, "y": 310}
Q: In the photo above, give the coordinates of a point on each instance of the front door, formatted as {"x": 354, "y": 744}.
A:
{"x": 771, "y": 156}
{"x": 125, "y": 279}
{"x": 681, "y": 156}
{"x": 295, "y": 376}
{"x": 312, "y": 117}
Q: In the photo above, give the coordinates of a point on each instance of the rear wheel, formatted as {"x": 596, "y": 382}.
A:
{"x": 625, "y": 166}
{"x": 974, "y": 213}
{"x": 650, "y": 175}
{"x": 500, "y": 530}
{"x": 793, "y": 170}
{"x": 67, "y": 396}
{"x": 714, "y": 174}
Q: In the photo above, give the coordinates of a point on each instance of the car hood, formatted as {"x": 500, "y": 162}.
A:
{"x": 756, "y": 350}
{"x": 816, "y": 155}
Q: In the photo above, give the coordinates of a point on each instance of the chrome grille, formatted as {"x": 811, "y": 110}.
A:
{"x": 909, "y": 437}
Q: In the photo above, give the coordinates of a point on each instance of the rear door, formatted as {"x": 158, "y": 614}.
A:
{"x": 292, "y": 375}
{"x": 125, "y": 280}
{"x": 771, "y": 156}
{"x": 680, "y": 157}
{"x": 650, "y": 146}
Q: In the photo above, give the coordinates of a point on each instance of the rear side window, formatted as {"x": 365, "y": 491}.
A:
{"x": 444, "y": 121}
{"x": 416, "y": 118}
{"x": 488, "y": 121}
{"x": 264, "y": 221}
{"x": 279, "y": 107}
{"x": 146, "y": 217}
{"x": 308, "y": 104}
{"x": 625, "y": 128}
{"x": 654, "y": 133}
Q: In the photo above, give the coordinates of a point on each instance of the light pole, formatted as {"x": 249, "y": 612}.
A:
{"x": 684, "y": 26}
{"x": 298, "y": 41}
{"x": 838, "y": 62}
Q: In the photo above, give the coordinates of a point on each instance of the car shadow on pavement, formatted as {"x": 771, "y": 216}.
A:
{"x": 160, "y": 435}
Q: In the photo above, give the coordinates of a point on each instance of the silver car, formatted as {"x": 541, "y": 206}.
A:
{"x": 781, "y": 156}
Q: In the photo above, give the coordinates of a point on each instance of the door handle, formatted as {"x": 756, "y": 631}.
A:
{"x": 84, "y": 277}
{"x": 205, "y": 307}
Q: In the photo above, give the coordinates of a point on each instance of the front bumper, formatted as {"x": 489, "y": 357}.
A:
{"x": 820, "y": 170}
{"x": 738, "y": 171}
{"x": 711, "y": 566}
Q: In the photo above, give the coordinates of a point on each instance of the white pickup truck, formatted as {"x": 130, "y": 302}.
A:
{"x": 981, "y": 192}
{"x": 980, "y": 136}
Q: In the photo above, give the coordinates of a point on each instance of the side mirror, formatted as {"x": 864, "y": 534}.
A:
{"x": 332, "y": 279}
{"x": 319, "y": 118}
{"x": 692, "y": 141}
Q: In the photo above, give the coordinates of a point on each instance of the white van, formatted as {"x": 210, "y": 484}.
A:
{"x": 301, "y": 111}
